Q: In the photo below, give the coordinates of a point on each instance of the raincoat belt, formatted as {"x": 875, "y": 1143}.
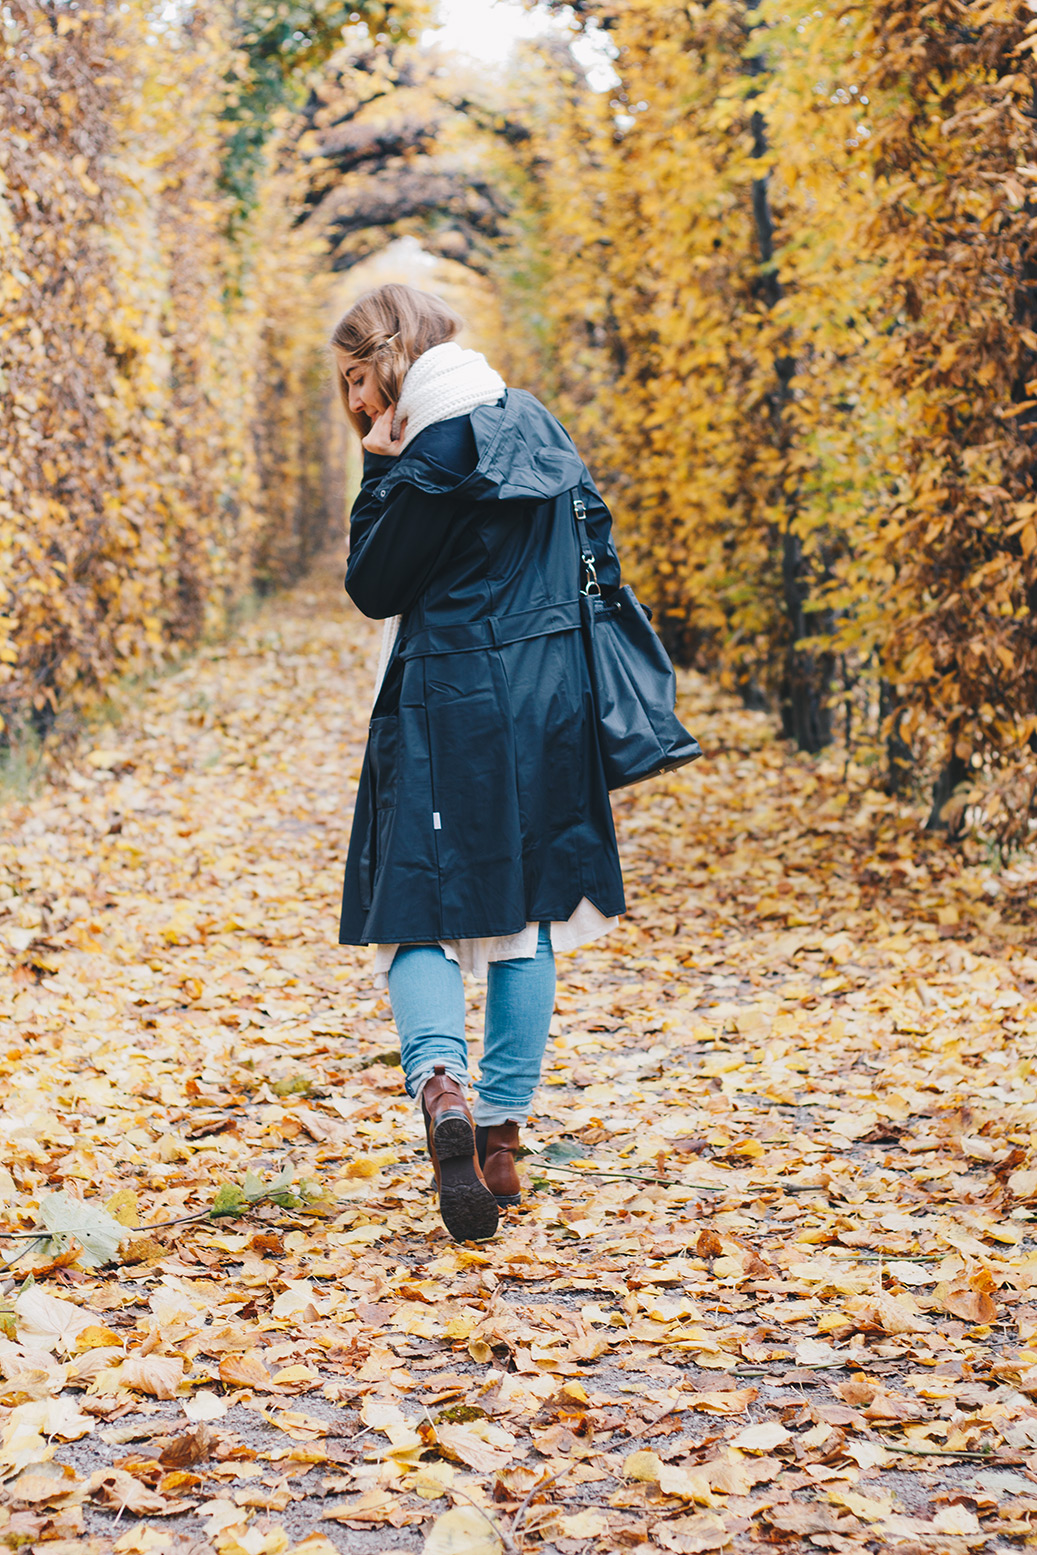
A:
{"x": 492, "y": 632}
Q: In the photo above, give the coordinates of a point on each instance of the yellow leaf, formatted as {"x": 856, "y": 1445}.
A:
{"x": 122, "y": 1206}
{"x": 464, "y": 1530}
{"x": 642, "y": 1465}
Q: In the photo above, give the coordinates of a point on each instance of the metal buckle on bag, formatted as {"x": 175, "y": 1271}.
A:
{"x": 592, "y": 587}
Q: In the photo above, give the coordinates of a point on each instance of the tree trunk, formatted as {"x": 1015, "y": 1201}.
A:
{"x": 805, "y": 714}
{"x": 899, "y": 756}
{"x": 955, "y": 771}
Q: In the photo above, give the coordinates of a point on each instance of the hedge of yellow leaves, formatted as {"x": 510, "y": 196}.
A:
{"x": 156, "y": 378}
{"x": 786, "y": 287}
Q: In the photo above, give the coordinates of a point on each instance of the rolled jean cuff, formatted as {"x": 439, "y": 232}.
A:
{"x": 416, "y": 1083}
{"x": 488, "y": 1114}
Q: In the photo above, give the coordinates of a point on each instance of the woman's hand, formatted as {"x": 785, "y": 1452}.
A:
{"x": 380, "y": 439}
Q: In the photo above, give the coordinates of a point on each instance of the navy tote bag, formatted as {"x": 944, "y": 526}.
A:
{"x": 635, "y": 689}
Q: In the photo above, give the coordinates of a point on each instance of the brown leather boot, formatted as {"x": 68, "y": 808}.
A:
{"x": 468, "y": 1208}
{"x": 497, "y": 1147}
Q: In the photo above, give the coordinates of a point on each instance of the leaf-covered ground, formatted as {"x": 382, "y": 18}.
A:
{"x": 771, "y": 1279}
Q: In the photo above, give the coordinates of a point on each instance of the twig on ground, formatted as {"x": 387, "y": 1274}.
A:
{"x": 526, "y": 1501}
{"x": 670, "y": 1409}
{"x": 744, "y": 1189}
{"x": 898, "y": 1258}
{"x": 502, "y": 1533}
{"x": 667, "y": 1182}
{"x": 345, "y": 1440}
{"x": 156, "y": 1225}
{"x": 765, "y": 1371}
{"x": 28, "y": 1248}
{"x": 949, "y": 1452}
{"x": 181, "y": 1220}
{"x": 214, "y": 1214}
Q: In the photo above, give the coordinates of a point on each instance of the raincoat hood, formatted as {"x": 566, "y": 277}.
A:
{"x": 523, "y": 455}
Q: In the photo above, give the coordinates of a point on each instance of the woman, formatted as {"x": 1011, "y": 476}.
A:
{"x": 482, "y": 837}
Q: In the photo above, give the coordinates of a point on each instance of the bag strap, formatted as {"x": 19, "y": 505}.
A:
{"x": 590, "y": 585}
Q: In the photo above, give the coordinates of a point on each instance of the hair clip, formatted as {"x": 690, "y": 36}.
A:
{"x": 391, "y": 338}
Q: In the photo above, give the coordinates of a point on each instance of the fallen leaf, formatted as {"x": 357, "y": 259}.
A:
{"x": 761, "y": 1438}
{"x": 463, "y": 1446}
{"x": 733, "y": 1403}
{"x": 464, "y": 1530}
{"x": 691, "y": 1482}
{"x": 158, "y": 1375}
{"x": 204, "y": 1405}
{"x": 141, "y": 1539}
{"x": 124, "y": 1493}
{"x": 51, "y": 1322}
{"x": 891, "y": 1314}
{"x": 962, "y": 1299}
{"x": 23, "y": 1444}
{"x": 98, "y": 1232}
{"x": 245, "y": 1371}
{"x": 957, "y": 1520}
{"x": 314, "y": 1544}
{"x": 589, "y": 1524}
{"x": 642, "y": 1465}
{"x": 122, "y": 1206}
{"x": 691, "y": 1535}
{"x": 191, "y": 1447}
{"x": 800, "y": 1518}
{"x": 54, "y": 1417}
{"x": 46, "y": 1484}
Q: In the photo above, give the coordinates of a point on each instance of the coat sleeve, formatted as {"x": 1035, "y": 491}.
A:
{"x": 395, "y": 543}
{"x": 599, "y": 532}
{"x": 397, "y": 540}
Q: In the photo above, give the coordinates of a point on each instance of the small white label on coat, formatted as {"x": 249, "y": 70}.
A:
{"x": 437, "y": 824}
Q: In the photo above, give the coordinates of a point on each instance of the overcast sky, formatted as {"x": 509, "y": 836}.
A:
{"x": 488, "y": 29}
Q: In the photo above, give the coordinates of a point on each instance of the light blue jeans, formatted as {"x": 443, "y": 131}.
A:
{"x": 426, "y": 991}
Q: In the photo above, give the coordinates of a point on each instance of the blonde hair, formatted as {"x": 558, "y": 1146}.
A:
{"x": 391, "y": 326}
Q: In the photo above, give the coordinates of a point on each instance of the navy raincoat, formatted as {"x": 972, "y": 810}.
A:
{"x": 482, "y": 803}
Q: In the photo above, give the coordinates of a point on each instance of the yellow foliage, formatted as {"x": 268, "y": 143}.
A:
{"x": 156, "y": 375}
{"x": 781, "y": 293}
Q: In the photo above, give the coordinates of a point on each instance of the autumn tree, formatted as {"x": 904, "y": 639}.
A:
{"x": 392, "y": 143}
{"x": 160, "y": 330}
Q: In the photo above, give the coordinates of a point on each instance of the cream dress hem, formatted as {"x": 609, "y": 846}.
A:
{"x": 475, "y": 955}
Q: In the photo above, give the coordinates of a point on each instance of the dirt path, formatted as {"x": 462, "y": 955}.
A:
{"x": 771, "y": 1281}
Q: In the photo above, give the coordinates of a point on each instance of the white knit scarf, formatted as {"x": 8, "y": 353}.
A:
{"x": 443, "y": 382}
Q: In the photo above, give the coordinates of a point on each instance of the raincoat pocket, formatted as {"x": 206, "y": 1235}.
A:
{"x": 384, "y": 773}
{"x": 383, "y": 738}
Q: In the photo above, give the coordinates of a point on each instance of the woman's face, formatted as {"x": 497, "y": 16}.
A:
{"x": 365, "y": 397}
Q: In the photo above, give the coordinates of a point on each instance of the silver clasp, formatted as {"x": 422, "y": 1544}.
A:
{"x": 592, "y": 587}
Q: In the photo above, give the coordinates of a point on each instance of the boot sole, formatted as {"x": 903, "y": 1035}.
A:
{"x": 467, "y": 1207}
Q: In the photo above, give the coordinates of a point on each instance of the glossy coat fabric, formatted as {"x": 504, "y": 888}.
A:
{"x": 482, "y": 803}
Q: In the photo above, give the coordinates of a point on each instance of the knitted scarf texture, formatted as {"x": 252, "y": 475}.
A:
{"x": 443, "y": 382}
